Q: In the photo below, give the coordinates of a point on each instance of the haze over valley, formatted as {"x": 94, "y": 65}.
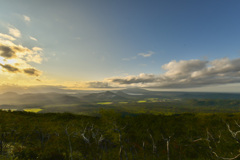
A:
{"x": 132, "y": 100}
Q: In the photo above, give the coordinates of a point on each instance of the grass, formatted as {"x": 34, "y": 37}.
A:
{"x": 123, "y": 102}
{"x": 153, "y": 99}
{"x": 142, "y": 101}
{"x": 9, "y": 110}
{"x": 60, "y": 105}
{"x": 105, "y": 103}
{"x": 35, "y": 110}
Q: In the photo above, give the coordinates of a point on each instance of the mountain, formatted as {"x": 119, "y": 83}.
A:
{"x": 8, "y": 97}
{"x": 135, "y": 91}
{"x": 9, "y": 94}
{"x": 122, "y": 94}
{"x": 104, "y": 96}
{"x": 39, "y": 98}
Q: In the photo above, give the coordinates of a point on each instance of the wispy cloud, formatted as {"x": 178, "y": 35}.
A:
{"x": 26, "y": 18}
{"x": 32, "y": 38}
{"x": 6, "y": 36}
{"x": 34, "y": 58}
{"x": 37, "y": 49}
{"x": 148, "y": 54}
{"x": 145, "y": 55}
{"x": 14, "y": 32}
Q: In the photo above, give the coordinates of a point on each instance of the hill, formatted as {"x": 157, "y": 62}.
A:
{"x": 105, "y": 96}
{"x": 12, "y": 98}
{"x": 135, "y": 91}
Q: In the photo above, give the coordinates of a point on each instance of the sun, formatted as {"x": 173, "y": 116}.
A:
{"x": 8, "y": 61}
{"x": 11, "y": 61}
{"x": 2, "y": 60}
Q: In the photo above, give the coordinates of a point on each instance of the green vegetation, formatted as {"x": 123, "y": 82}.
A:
{"x": 147, "y": 106}
{"x": 9, "y": 110}
{"x": 153, "y": 99}
{"x": 123, "y": 102}
{"x": 105, "y": 103}
{"x": 151, "y": 126}
{"x": 163, "y": 106}
{"x": 63, "y": 136}
{"x": 35, "y": 110}
{"x": 142, "y": 101}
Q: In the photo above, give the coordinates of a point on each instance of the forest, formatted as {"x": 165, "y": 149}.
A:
{"x": 112, "y": 135}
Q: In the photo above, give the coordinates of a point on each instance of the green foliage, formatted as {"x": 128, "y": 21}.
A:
{"x": 62, "y": 136}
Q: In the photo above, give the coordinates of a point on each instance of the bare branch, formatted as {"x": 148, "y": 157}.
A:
{"x": 237, "y": 123}
{"x": 153, "y": 143}
{"x": 234, "y": 134}
{"x": 224, "y": 157}
{"x": 201, "y": 139}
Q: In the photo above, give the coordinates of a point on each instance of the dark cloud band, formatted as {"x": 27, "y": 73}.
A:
{"x": 31, "y": 72}
{"x": 13, "y": 69}
{"x": 7, "y": 52}
{"x": 10, "y": 68}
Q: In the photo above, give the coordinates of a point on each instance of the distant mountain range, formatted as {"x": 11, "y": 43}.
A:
{"x": 106, "y": 96}
{"x": 12, "y": 98}
{"x": 135, "y": 91}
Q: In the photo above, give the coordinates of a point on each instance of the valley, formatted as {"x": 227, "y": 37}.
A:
{"x": 133, "y": 101}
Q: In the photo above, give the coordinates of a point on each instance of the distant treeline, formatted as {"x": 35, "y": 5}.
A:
{"x": 113, "y": 136}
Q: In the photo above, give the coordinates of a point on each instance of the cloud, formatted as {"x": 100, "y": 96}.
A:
{"x": 145, "y": 55}
{"x": 7, "y": 51}
{"x": 34, "y": 58}
{"x": 183, "y": 68}
{"x": 39, "y": 80}
{"x": 32, "y": 72}
{"x": 10, "y": 68}
{"x": 15, "y": 58}
{"x": 5, "y": 36}
{"x": 98, "y": 84}
{"x": 37, "y": 49}
{"x": 16, "y": 69}
{"x": 186, "y": 74}
{"x": 14, "y": 32}
{"x": 32, "y": 38}
{"x": 26, "y": 18}
{"x": 141, "y": 78}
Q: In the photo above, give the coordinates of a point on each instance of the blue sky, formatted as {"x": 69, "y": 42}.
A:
{"x": 113, "y": 43}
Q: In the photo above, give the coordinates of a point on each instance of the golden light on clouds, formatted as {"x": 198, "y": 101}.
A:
{"x": 26, "y": 18}
{"x": 5, "y": 36}
{"x": 14, "y": 32}
{"x": 32, "y": 38}
{"x": 15, "y": 58}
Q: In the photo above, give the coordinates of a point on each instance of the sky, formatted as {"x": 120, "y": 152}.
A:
{"x": 182, "y": 45}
